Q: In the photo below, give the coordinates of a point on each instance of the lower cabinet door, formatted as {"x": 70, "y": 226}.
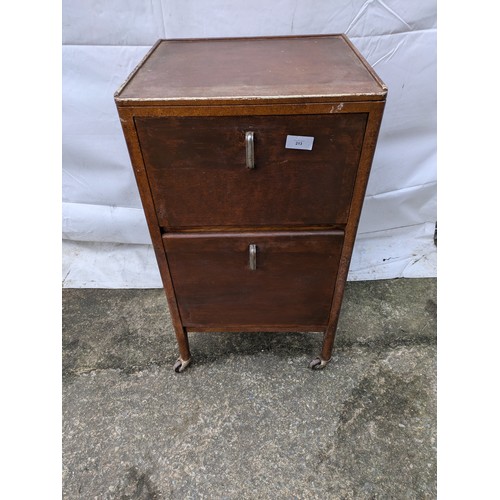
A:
{"x": 232, "y": 281}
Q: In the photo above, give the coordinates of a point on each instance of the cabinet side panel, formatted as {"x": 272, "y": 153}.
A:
{"x": 368, "y": 150}
{"x": 136, "y": 158}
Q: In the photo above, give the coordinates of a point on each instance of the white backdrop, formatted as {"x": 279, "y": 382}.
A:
{"x": 105, "y": 238}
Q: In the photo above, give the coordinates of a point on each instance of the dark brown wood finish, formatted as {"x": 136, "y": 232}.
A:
{"x": 155, "y": 232}
{"x": 200, "y": 163}
{"x": 244, "y": 108}
{"x": 370, "y": 141}
{"x": 184, "y": 116}
{"x": 232, "y": 69}
{"x": 292, "y": 283}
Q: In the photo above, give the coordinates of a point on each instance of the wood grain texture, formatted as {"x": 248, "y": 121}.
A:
{"x": 292, "y": 284}
{"x": 200, "y": 163}
{"x": 252, "y": 68}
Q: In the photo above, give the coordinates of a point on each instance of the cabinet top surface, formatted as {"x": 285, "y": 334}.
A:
{"x": 274, "y": 69}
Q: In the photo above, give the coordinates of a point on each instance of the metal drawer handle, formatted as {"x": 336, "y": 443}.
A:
{"x": 250, "y": 157}
{"x": 252, "y": 256}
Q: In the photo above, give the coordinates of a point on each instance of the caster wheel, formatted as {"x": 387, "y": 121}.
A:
{"x": 318, "y": 363}
{"x": 180, "y": 365}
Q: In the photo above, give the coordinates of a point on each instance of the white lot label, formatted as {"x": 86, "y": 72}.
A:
{"x": 299, "y": 142}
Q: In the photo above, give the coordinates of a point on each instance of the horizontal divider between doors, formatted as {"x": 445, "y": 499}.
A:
{"x": 251, "y": 233}
{"x": 253, "y": 229}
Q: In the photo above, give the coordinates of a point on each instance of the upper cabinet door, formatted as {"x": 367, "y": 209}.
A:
{"x": 251, "y": 171}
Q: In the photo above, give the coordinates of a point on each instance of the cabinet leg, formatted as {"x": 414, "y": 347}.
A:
{"x": 328, "y": 339}
{"x": 326, "y": 352}
{"x": 185, "y": 355}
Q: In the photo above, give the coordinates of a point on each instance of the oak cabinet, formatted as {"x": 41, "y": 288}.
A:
{"x": 252, "y": 157}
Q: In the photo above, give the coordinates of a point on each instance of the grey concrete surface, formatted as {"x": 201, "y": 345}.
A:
{"x": 248, "y": 419}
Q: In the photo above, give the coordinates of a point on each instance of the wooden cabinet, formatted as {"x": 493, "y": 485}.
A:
{"x": 252, "y": 157}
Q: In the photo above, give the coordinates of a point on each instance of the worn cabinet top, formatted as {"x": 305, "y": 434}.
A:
{"x": 241, "y": 70}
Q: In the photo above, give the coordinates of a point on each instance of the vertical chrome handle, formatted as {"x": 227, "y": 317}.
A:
{"x": 250, "y": 157}
{"x": 252, "y": 256}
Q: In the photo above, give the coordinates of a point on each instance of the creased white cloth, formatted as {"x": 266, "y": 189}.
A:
{"x": 104, "y": 41}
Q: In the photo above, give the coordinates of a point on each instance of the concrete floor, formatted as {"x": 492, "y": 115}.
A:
{"x": 248, "y": 419}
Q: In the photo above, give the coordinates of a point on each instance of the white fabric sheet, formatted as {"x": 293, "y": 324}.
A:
{"x": 106, "y": 242}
